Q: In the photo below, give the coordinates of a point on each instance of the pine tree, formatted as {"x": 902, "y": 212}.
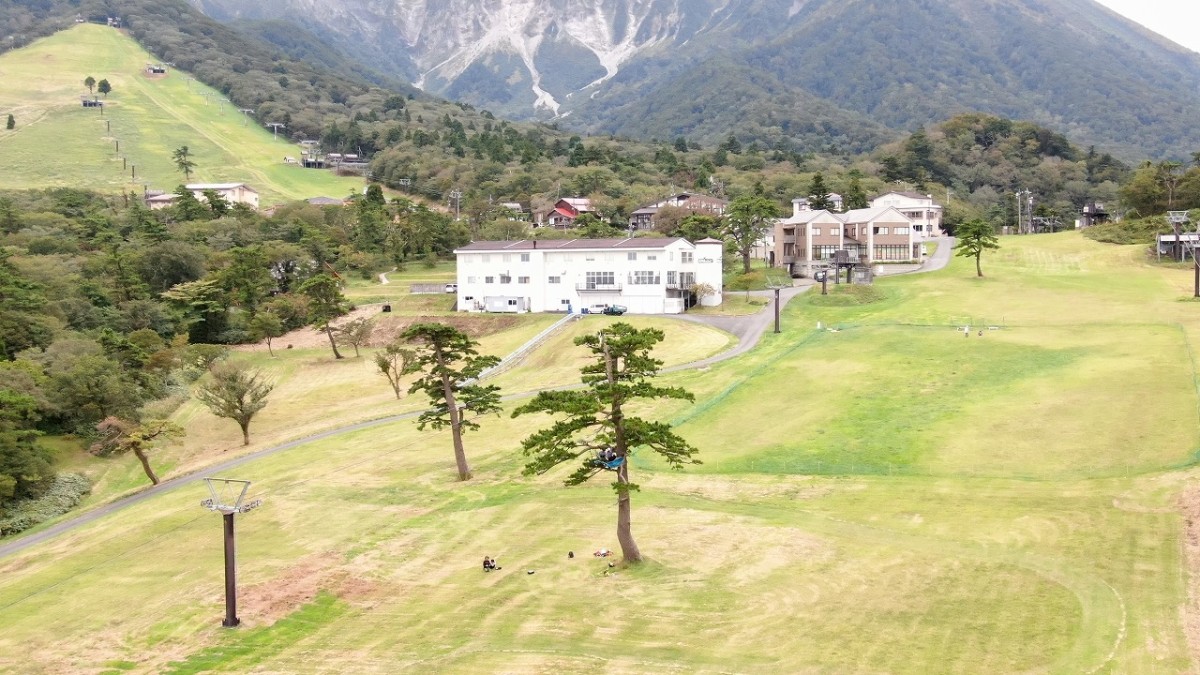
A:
{"x": 597, "y": 426}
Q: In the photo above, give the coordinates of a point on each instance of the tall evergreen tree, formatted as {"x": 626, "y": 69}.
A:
{"x": 818, "y": 194}
{"x": 596, "y": 425}
{"x": 326, "y": 303}
{"x": 184, "y": 162}
{"x": 450, "y": 363}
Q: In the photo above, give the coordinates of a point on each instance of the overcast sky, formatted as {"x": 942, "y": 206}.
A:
{"x": 1178, "y": 20}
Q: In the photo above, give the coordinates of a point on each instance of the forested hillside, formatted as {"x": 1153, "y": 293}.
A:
{"x": 109, "y": 310}
{"x": 777, "y": 70}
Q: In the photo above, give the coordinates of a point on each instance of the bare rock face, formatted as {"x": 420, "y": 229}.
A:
{"x": 814, "y": 73}
{"x": 536, "y": 53}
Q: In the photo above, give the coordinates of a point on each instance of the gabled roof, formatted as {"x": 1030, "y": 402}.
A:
{"x": 634, "y": 243}
{"x": 218, "y": 186}
{"x": 805, "y": 217}
{"x": 910, "y": 195}
{"x": 868, "y": 215}
{"x": 580, "y": 203}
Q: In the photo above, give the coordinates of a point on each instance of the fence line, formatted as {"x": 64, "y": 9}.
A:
{"x": 521, "y": 352}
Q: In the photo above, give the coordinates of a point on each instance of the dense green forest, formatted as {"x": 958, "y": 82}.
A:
{"x": 110, "y": 310}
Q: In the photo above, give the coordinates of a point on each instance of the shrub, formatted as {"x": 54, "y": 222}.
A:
{"x": 62, "y": 496}
{"x": 1140, "y": 231}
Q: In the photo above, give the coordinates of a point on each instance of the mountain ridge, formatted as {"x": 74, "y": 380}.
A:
{"x": 1073, "y": 63}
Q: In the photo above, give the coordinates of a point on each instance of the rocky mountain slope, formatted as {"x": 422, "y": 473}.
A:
{"x": 840, "y": 69}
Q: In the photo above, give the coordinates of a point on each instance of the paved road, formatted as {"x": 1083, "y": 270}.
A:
{"x": 748, "y": 329}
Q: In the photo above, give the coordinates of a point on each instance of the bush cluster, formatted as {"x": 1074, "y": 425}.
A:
{"x": 1140, "y": 231}
{"x": 64, "y": 493}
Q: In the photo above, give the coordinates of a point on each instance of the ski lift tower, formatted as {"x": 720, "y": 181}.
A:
{"x": 227, "y": 496}
{"x": 1179, "y": 221}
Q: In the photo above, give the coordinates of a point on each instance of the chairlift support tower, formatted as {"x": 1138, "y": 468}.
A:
{"x": 1178, "y": 220}
{"x": 227, "y": 496}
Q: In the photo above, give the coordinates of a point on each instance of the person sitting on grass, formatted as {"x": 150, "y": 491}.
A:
{"x": 489, "y": 564}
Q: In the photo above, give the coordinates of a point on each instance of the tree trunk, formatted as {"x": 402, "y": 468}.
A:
{"x": 245, "y": 432}
{"x": 356, "y": 350}
{"x": 269, "y": 347}
{"x": 460, "y": 454}
{"x": 332, "y": 342}
{"x": 141, "y": 455}
{"x": 629, "y": 548}
{"x": 746, "y": 261}
{"x": 978, "y": 269}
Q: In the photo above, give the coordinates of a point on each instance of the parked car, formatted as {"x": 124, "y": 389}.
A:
{"x": 451, "y": 288}
{"x": 615, "y": 310}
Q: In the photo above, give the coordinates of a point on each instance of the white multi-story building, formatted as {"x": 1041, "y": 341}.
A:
{"x": 644, "y": 275}
{"x": 926, "y": 216}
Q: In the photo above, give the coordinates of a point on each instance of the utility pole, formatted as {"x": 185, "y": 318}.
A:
{"x": 276, "y": 126}
{"x": 456, "y": 195}
{"x": 226, "y": 497}
{"x": 246, "y": 113}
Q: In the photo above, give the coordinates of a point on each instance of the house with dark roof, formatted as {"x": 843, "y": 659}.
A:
{"x": 643, "y": 218}
{"x": 644, "y": 275}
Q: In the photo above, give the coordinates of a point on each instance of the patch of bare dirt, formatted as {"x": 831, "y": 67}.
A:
{"x": 387, "y": 327}
{"x": 1189, "y": 504}
{"x": 266, "y": 602}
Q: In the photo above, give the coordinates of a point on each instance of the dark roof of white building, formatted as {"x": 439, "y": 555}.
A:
{"x": 569, "y": 244}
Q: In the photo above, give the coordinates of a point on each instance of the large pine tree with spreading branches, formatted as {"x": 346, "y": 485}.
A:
{"x": 595, "y": 426}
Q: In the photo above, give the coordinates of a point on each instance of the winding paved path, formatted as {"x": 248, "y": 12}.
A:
{"x": 748, "y": 329}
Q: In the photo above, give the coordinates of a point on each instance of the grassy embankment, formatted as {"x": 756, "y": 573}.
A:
{"x": 889, "y": 497}
{"x": 57, "y": 142}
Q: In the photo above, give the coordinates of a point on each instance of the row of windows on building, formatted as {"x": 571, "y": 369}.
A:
{"x": 684, "y": 256}
{"x": 882, "y": 251}
{"x": 837, "y": 231}
{"x": 594, "y": 279}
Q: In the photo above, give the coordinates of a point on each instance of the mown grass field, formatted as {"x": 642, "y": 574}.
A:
{"x": 890, "y": 497}
{"x": 57, "y": 142}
